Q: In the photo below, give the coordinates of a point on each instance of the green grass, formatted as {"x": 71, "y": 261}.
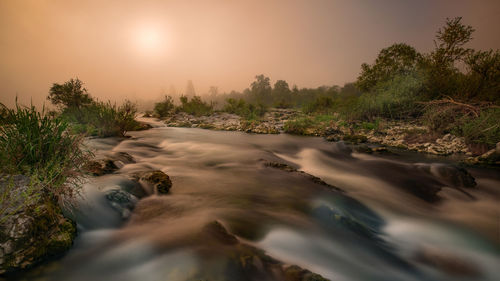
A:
{"x": 39, "y": 146}
{"x": 102, "y": 119}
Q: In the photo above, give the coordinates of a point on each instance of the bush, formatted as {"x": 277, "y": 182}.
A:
{"x": 484, "y": 129}
{"x": 395, "y": 99}
{"x": 320, "y": 104}
{"x": 164, "y": 108}
{"x": 35, "y": 144}
{"x": 195, "y": 106}
{"x": 248, "y": 111}
{"x": 102, "y": 119}
{"x": 298, "y": 126}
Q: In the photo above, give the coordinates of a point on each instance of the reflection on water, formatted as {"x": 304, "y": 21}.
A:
{"x": 388, "y": 225}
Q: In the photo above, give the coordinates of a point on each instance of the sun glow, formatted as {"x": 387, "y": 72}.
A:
{"x": 150, "y": 40}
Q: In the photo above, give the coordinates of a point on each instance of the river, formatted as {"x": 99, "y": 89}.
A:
{"x": 376, "y": 228}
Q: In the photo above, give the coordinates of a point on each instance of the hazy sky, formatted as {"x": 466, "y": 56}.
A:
{"x": 134, "y": 49}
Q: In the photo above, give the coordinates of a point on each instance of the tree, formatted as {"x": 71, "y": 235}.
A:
{"x": 443, "y": 77}
{"x": 394, "y": 60}
{"x": 483, "y": 77}
{"x": 71, "y": 94}
{"x": 281, "y": 94}
{"x": 450, "y": 41}
{"x": 261, "y": 89}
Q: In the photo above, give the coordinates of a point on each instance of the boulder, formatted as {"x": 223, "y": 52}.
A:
{"x": 122, "y": 201}
{"x": 156, "y": 182}
{"x": 32, "y": 227}
{"x": 108, "y": 164}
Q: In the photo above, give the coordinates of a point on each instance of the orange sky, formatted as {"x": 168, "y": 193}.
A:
{"x": 136, "y": 49}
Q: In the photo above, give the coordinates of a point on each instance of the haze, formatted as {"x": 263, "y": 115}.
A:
{"x": 141, "y": 49}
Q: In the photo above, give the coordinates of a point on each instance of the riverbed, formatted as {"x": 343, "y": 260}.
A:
{"x": 366, "y": 220}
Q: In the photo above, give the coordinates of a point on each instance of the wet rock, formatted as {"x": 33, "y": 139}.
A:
{"x": 332, "y": 218}
{"x": 454, "y": 176}
{"x": 156, "y": 182}
{"x": 490, "y": 158}
{"x": 290, "y": 169}
{"x": 122, "y": 201}
{"x": 296, "y": 273}
{"x": 216, "y": 230}
{"x": 355, "y": 139}
{"x": 100, "y": 167}
{"x": 108, "y": 164}
{"x": 32, "y": 227}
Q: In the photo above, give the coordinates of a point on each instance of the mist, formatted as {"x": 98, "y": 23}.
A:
{"x": 141, "y": 50}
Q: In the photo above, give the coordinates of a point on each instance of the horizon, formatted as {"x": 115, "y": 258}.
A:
{"x": 137, "y": 51}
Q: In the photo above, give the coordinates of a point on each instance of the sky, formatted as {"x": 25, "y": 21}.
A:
{"x": 140, "y": 50}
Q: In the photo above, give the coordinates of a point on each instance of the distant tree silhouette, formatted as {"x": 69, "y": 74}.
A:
{"x": 71, "y": 94}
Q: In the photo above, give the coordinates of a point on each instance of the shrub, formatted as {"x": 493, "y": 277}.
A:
{"x": 164, "y": 108}
{"x": 102, "y": 119}
{"x": 484, "y": 129}
{"x": 395, "y": 99}
{"x": 320, "y": 104}
{"x": 195, "y": 106}
{"x": 298, "y": 126}
{"x": 38, "y": 145}
{"x": 248, "y": 111}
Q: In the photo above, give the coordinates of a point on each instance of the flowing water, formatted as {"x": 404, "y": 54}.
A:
{"x": 376, "y": 229}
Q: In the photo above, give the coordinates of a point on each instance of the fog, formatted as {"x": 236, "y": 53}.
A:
{"x": 141, "y": 50}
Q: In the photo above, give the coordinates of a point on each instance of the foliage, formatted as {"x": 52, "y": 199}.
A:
{"x": 69, "y": 94}
{"x": 164, "y": 108}
{"x": 102, "y": 119}
{"x": 321, "y": 104}
{"x": 484, "y": 129}
{"x": 281, "y": 94}
{"x": 395, "y": 99}
{"x": 260, "y": 90}
{"x": 398, "y": 59}
{"x": 298, "y": 126}
{"x": 38, "y": 145}
{"x": 195, "y": 106}
{"x": 483, "y": 80}
{"x": 246, "y": 110}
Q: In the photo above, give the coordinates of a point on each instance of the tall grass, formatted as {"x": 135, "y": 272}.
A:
{"x": 102, "y": 119}
{"x": 38, "y": 145}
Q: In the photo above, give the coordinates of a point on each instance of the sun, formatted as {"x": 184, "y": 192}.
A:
{"x": 150, "y": 40}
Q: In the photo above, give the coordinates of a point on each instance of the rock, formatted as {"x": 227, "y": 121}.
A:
{"x": 490, "y": 158}
{"x": 290, "y": 169}
{"x": 296, "y": 273}
{"x": 355, "y": 138}
{"x": 108, "y": 164}
{"x": 454, "y": 176}
{"x": 122, "y": 201}
{"x": 337, "y": 219}
{"x": 156, "y": 182}
{"x": 32, "y": 227}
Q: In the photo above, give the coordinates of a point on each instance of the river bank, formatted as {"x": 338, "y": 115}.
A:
{"x": 387, "y": 133}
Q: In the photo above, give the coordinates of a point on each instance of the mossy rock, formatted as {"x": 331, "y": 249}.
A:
{"x": 159, "y": 180}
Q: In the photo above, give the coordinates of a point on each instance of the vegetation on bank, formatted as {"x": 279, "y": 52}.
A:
{"x": 452, "y": 89}
{"x": 89, "y": 116}
{"x": 39, "y": 145}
